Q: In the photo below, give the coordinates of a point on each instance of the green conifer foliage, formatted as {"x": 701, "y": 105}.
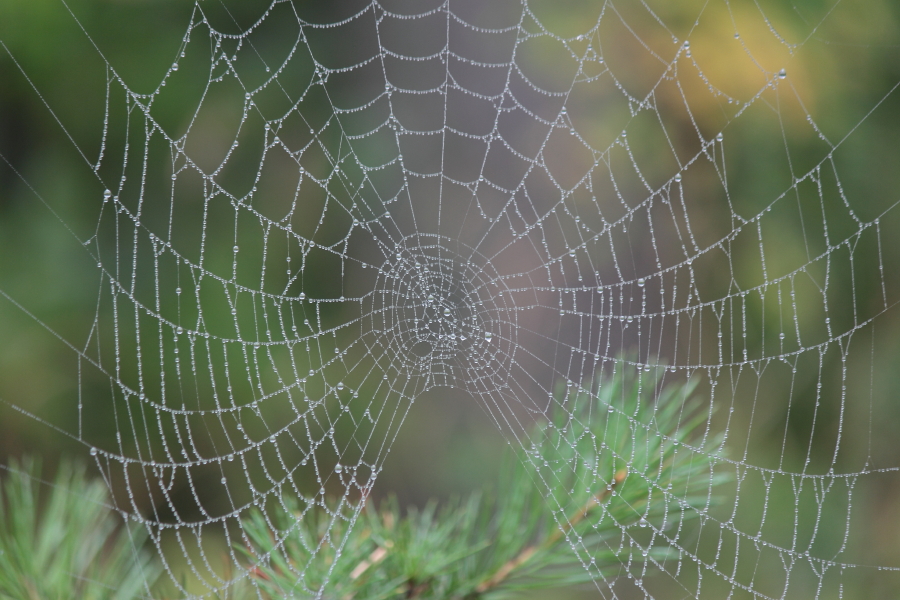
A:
{"x": 64, "y": 542}
{"x": 605, "y": 490}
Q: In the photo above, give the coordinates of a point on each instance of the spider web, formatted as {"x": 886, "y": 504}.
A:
{"x": 354, "y": 206}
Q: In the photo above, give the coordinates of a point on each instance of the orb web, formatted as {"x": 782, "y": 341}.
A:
{"x": 347, "y": 208}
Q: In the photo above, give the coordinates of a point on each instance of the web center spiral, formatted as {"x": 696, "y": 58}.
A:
{"x": 440, "y": 311}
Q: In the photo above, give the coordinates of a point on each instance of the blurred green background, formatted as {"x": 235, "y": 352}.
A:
{"x": 842, "y": 62}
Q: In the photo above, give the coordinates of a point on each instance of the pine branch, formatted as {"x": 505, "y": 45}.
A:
{"x": 646, "y": 436}
{"x": 555, "y": 536}
{"x": 74, "y": 547}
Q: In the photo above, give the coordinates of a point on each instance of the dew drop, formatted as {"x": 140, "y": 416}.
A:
{"x": 93, "y": 452}
{"x": 338, "y": 468}
{"x": 782, "y": 74}
{"x": 340, "y": 385}
{"x": 178, "y": 291}
{"x": 641, "y": 282}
